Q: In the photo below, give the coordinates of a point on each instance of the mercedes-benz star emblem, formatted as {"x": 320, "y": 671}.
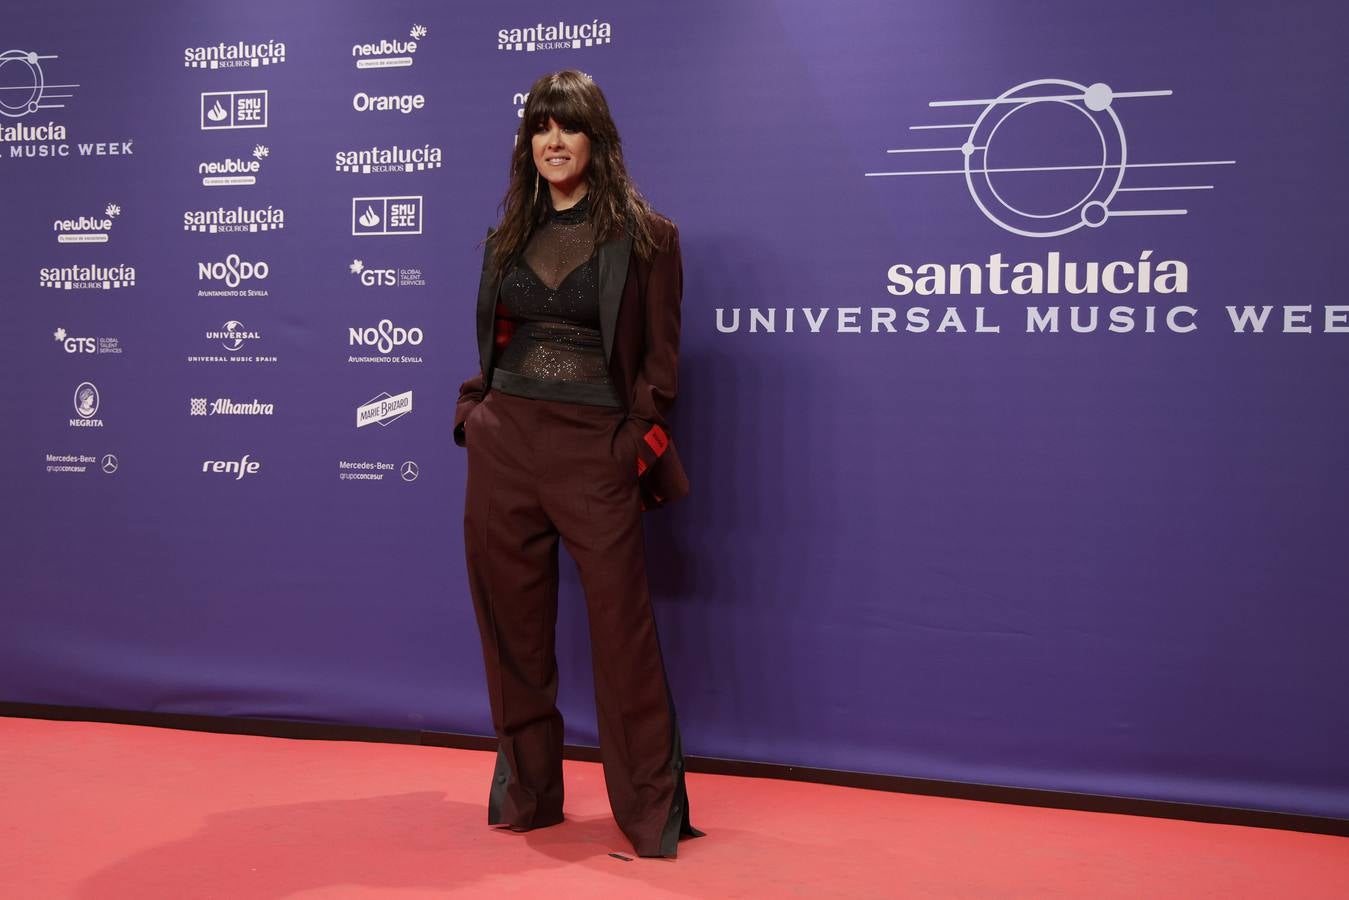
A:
{"x": 409, "y": 471}
{"x": 109, "y": 464}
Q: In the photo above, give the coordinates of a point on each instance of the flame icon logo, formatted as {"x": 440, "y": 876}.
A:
{"x": 368, "y": 218}
{"x": 217, "y": 113}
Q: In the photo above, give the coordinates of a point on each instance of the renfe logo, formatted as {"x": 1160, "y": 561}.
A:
{"x": 233, "y": 109}
{"x": 238, "y": 469}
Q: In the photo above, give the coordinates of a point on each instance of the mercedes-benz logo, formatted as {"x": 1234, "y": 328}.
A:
{"x": 109, "y": 464}
{"x": 409, "y": 471}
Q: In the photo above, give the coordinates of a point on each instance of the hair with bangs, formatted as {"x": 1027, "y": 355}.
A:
{"x": 573, "y": 100}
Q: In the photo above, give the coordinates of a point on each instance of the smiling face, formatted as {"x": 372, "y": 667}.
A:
{"x": 562, "y": 156}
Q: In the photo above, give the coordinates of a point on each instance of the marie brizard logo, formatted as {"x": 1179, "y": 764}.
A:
{"x": 1049, "y": 156}
{"x": 24, "y": 88}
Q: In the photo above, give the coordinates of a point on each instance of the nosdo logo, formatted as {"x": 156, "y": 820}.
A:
{"x": 233, "y": 270}
{"x": 389, "y": 159}
{"x": 238, "y": 468}
{"x": 1049, "y": 156}
{"x": 385, "y": 337}
{"x": 87, "y": 401}
{"x": 239, "y": 219}
{"x": 86, "y": 229}
{"x": 96, "y": 278}
{"x": 403, "y": 103}
{"x": 233, "y": 171}
{"x": 371, "y": 277}
{"x": 86, "y": 344}
{"x": 389, "y": 53}
{"x": 236, "y": 55}
{"x": 26, "y": 87}
{"x": 221, "y": 110}
{"x": 383, "y": 409}
{"x": 384, "y": 216}
{"x": 233, "y": 336}
{"x": 562, "y": 36}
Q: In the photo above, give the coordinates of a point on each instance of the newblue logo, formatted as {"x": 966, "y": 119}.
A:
{"x": 389, "y": 53}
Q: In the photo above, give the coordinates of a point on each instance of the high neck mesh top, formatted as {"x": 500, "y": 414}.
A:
{"x": 551, "y": 301}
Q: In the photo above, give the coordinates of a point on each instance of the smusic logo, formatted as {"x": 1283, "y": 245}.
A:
{"x": 221, "y": 110}
{"x": 385, "y": 216}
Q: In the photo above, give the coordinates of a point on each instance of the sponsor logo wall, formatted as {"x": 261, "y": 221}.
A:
{"x": 1039, "y": 352}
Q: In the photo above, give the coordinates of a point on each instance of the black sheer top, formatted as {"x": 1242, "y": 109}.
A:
{"x": 551, "y": 301}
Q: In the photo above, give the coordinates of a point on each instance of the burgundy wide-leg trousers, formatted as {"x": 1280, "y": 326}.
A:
{"x": 537, "y": 470}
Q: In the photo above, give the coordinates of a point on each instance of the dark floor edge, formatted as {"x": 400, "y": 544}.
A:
{"x": 991, "y": 793}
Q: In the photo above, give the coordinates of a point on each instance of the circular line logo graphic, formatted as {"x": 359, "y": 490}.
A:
{"x": 982, "y": 162}
{"x": 410, "y": 471}
{"x": 12, "y": 101}
{"x": 86, "y": 400}
{"x": 1049, "y": 156}
{"x": 110, "y": 464}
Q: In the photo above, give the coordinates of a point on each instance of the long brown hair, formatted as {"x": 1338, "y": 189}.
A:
{"x": 573, "y": 100}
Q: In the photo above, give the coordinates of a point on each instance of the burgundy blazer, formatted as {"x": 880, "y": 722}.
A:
{"x": 639, "y": 323}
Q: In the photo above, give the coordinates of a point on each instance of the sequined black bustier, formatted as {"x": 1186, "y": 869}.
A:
{"x": 551, "y": 300}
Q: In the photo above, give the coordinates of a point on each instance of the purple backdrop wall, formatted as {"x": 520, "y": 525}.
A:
{"x": 1099, "y": 560}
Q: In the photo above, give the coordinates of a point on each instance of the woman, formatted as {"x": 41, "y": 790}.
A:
{"x": 578, "y": 340}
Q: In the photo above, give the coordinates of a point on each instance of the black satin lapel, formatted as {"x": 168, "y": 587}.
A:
{"x": 487, "y": 301}
{"x": 613, "y": 273}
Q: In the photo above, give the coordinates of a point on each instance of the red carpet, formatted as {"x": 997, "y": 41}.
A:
{"x": 104, "y": 811}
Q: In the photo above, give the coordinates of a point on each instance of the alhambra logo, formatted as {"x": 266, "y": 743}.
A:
{"x": 1090, "y": 179}
{"x": 389, "y": 53}
{"x": 562, "y": 36}
{"x": 240, "y": 54}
